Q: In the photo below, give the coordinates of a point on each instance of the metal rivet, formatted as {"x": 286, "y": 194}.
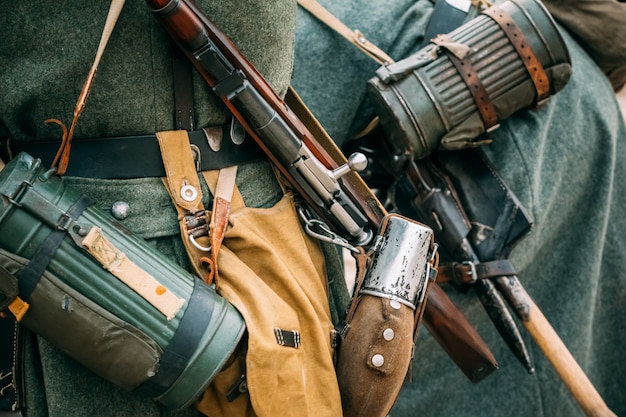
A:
{"x": 394, "y": 304}
{"x": 388, "y": 334}
{"x": 188, "y": 192}
{"x": 378, "y": 360}
{"x": 120, "y": 210}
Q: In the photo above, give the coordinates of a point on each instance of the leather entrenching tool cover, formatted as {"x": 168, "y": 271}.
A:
{"x": 377, "y": 340}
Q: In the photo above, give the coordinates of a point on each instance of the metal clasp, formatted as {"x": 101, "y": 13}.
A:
{"x": 322, "y": 231}
{"x": 473, "y": 273}
{"x": 431, "y": 272}
{"x": 197, "y": 245}
{"x": 197, "y": 156}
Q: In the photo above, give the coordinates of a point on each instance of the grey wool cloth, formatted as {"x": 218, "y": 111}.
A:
{"x": 567, "y": 164}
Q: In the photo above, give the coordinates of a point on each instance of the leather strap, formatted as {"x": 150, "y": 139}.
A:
{"x": 182, "y": 179}
{"x": 183, "y": 90}
{"x": 354, "y": 36}
{"x": 116, "y": 157}
{"x": 475, "y": 86}
{"x": 183, "y": 186}
{"x": 522, "y": 46}
{"x": 201, "y": 242}
{"x": 468, "y": 272}
{"x": 223, "y": 191}
{"x": 62, "y": 158}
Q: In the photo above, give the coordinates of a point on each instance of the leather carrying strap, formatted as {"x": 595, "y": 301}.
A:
{"x": 183, "y": 91}
{"x": 201, "y": 242}
{"x": 354, "y": 36}
{"x": 522, "y": 46}
{"x": 468, "y": 272}
{"x": 62, "y": 158}
{"x": 475, "y": 86}
{"x": 223, "y": 192}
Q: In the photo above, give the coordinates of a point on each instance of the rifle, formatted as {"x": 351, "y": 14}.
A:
{"x": 353, "y": 215}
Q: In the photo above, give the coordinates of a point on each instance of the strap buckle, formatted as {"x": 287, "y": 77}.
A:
{"x": 472, "y": 271}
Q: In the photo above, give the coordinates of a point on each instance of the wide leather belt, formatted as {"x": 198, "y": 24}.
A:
{"x": 127, "y": 157}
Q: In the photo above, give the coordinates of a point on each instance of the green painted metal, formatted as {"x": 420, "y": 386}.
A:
{"x": 34, "y": 203}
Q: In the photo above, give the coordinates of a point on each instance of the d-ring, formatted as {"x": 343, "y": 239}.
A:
{"x": 199, "y": 246}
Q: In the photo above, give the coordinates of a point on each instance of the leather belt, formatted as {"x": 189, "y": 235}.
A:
{"x": 127, "y": 157}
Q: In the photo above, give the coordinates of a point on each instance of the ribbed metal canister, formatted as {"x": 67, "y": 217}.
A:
{"x": 424, "y": 102}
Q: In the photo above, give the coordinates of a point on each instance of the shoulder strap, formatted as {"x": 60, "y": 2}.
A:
{"x": 61, "y": 160}
{"x": 354, "y": 36}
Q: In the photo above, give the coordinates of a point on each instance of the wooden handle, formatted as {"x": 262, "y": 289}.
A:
{"x": 553, "y": 348}
{"x": 565, "y": 365}
{"x": 457, "y": 336}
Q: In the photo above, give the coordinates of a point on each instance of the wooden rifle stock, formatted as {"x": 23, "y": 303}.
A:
{"x": 190, "y": 29}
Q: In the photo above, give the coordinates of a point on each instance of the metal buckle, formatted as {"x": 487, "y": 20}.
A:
{"x": 197, "y": 156}
{"x": 473, "y": 273}
{"x": 197, "y": 245}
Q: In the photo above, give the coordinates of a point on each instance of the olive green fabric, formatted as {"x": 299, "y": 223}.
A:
{"x": 89, "y": 324}
{"x": 567, "y": 164}
{"x": 46, "y": 50}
